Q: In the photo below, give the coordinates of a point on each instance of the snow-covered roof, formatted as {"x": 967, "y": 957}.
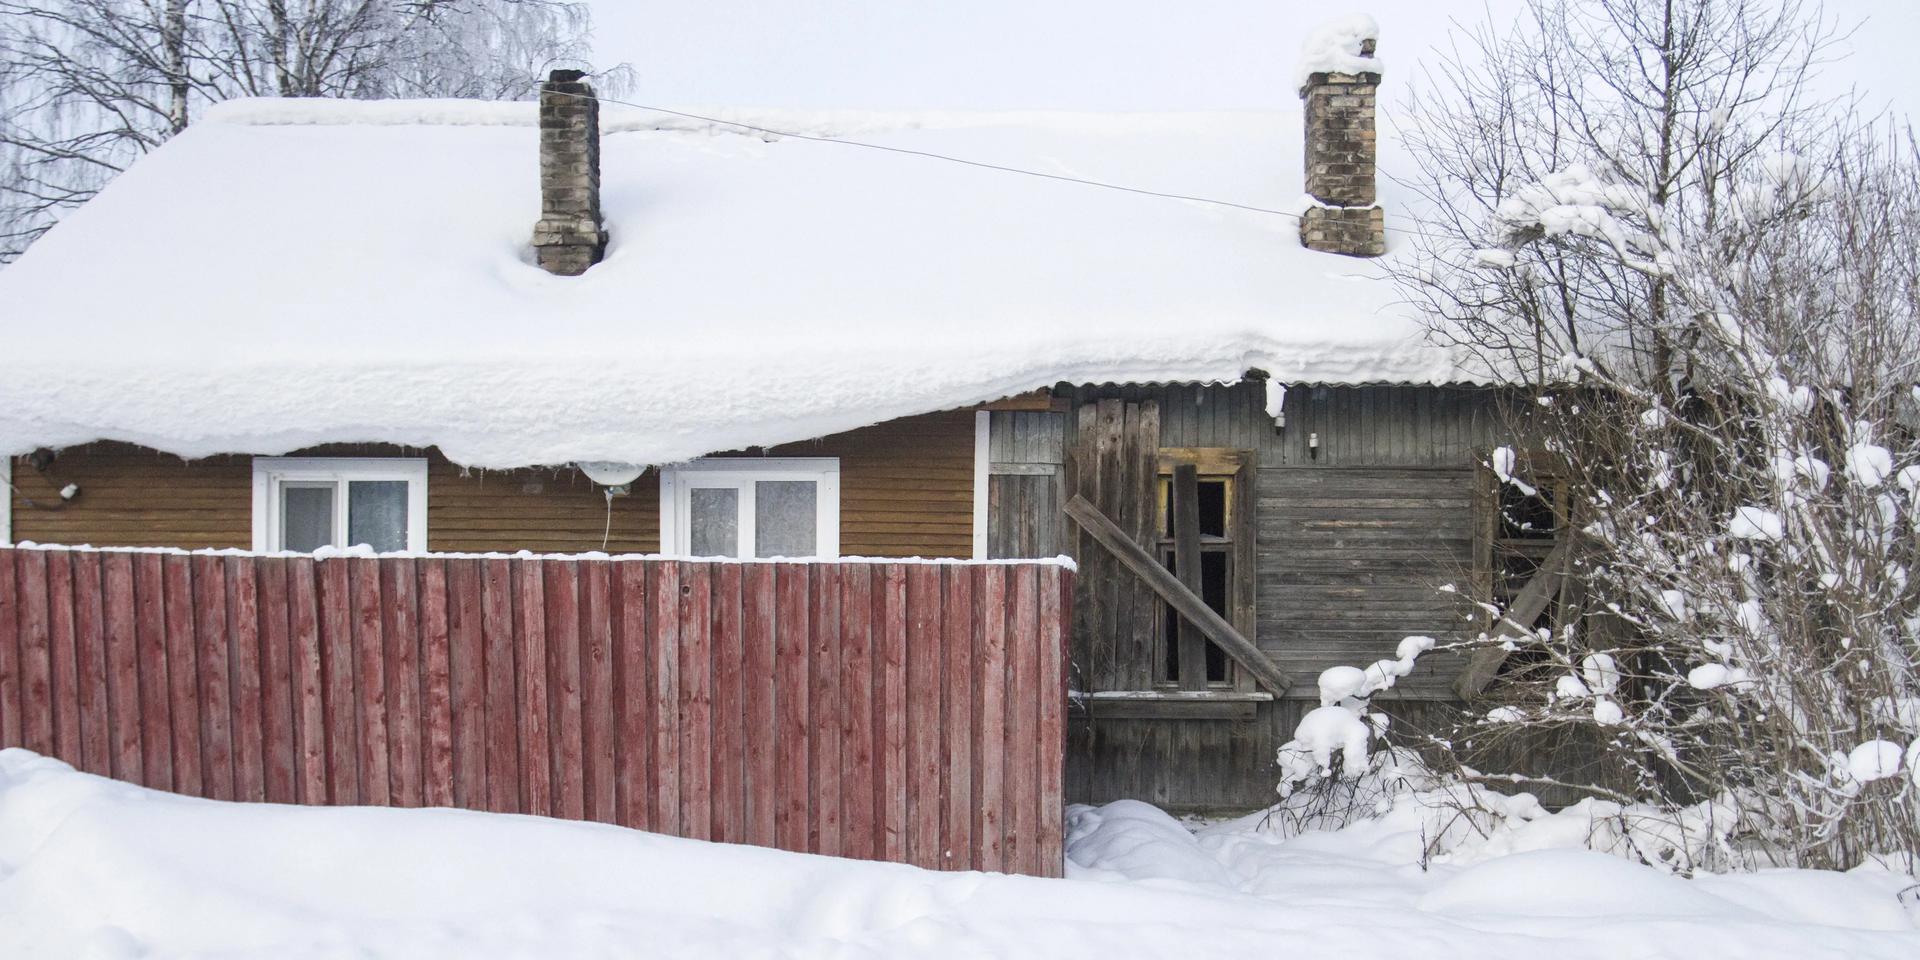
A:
{"x": 287, "y": 273}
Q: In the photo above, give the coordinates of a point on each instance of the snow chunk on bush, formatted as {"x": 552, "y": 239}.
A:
{"x": 1874, "y": 760}
{"x": 1503, "y": 462}
{"x": 1334, "y": 47}
{"x": 1756, "y": 523}
{"x": 1339, "y": 683}
{"x": 1709, "y": 676}
{"x": 1327, "y": 729}
{"x": 1869, "y": 464}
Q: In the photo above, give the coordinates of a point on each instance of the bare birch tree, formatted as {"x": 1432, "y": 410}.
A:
{"x": 87, "y": 86}
{"x": 1705, "y": 283}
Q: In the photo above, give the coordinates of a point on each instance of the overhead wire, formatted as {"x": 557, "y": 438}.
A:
{"x": 930, "y": 155}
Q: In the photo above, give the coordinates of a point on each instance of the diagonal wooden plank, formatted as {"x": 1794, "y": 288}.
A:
{"x": 1136, "y": 559}
{"x": 1517, "y": 621}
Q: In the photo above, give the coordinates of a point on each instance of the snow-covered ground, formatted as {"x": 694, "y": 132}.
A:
{"x": 94, "y": 868}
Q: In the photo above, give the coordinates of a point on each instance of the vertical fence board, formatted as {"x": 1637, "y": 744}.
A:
{"x": 925, "y": 663}
{"x": 990, "y": 716}
{"x": 633, "y": 689}
{"x": 212, "y": 647}
{"x": 530, "y": 650}
{"x": 262, "y": 663}
{"x": 298, "y": 633}
{"x": 729, "y": 720}
{"x": 35, "y": 656}
{"x": 436, "y": 686}
{"x": 123, "y": 667}
{"x": 337, "y": 655}
{"x": 696, "y": 701}
{"x": 182, "y": 668}
{"x": 791, "y": 587}
{"x": 467, "y": 677}
{"x": 63, "y": 656}
{"x": 1056, "y": 609}
{"x": 561, "y": 584}
{"x": 824, "y": 708}
{"x": 663, "y": 610}
{"x": 90, "y": 640}
{"x": 761, "y": 783}
{"x": 596, "y": 689}
{"x": 957, "y": 726}
{"x": 277, "y": 680}
{"x": 912, "y": 712}
{"x": 891, "y": 704}
{"x": 503, "y": 708}
{"x": 370, "y": 679}
{"x": 856, "y": 711}
{"x": 400, "y": 629}
{"x": 10, "y": 613}
{"x": 1023, "y": 717}
{"x": 155, "y": 724}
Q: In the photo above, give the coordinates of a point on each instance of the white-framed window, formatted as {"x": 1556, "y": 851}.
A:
{"x": 304, "y": 503}
{"x": 751, "y": 507}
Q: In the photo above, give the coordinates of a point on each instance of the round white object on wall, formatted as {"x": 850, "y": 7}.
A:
{"x": 610, "y": 473}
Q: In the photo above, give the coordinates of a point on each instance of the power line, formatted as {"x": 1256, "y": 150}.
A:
{"x": 940, "y": 156}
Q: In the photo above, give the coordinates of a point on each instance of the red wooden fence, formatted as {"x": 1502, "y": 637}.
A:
{"x": 896, "y": 711}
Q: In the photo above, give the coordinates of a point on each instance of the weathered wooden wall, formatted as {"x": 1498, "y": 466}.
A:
{"x": 906, "y": 489}
{"x": 1355, "y": 537}
{"x": 909, "y": 712}
{"x": 1026, "y": 457}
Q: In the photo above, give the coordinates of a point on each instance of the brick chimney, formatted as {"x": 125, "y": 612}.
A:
{"x": 570, "y": 236}
{"x": 1340, "y": 148}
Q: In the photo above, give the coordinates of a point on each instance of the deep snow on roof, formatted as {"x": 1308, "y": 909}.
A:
{"x": 286, "y": 273}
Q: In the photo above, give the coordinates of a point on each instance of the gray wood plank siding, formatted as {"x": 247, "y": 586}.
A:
{"x": 1027, "y": 456}
{"x": 1354, "y": 541}
{"x": 1355, "y": 536}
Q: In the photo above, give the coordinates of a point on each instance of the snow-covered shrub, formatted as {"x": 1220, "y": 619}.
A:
{"x": 1343, "y": 723}
{"x": 1712, "y": 325}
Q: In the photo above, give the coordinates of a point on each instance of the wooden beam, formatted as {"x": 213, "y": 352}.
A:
{"x": 1192, "y": 652}
{"x": 1170, "y": 589}
{"x": 1516, "y": 621}
{"x": 1032, "y": 401}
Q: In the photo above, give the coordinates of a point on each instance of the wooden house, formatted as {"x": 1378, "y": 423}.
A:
{"x": 305, "y": 325}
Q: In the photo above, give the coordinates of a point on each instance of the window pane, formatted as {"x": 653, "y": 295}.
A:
{"x": 715, "y": 523}
{"x": 306, "y": 517}
{"x": 377, "y": 514}
{"x": 784, "y": 518}
{"x": 1213, "y": 508}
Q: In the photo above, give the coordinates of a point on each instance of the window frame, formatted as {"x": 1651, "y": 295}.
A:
{"x": 1493, "y": 550}
{"x": 1235, "y": 468}
{"x": 678, "y": 481}
{"x": 269, "y": 473}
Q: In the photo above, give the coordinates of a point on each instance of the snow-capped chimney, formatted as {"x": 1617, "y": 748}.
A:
{"x": 1338, "y": 78}
{"x": 570, "y": 236}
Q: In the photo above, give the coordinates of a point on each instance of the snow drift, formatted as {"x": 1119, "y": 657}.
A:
{"x": 94, "y": 868}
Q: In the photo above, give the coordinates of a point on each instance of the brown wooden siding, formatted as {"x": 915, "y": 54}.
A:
{"x": 906, "y": 486}
{"x": 906, "y": 489}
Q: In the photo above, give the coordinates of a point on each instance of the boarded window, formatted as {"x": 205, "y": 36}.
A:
{"x": 1226, "y": 554}
{"x": 1518, "y": 528}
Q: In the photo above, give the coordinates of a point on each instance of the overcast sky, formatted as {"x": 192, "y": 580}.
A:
{"x": 1079, "y": 54}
